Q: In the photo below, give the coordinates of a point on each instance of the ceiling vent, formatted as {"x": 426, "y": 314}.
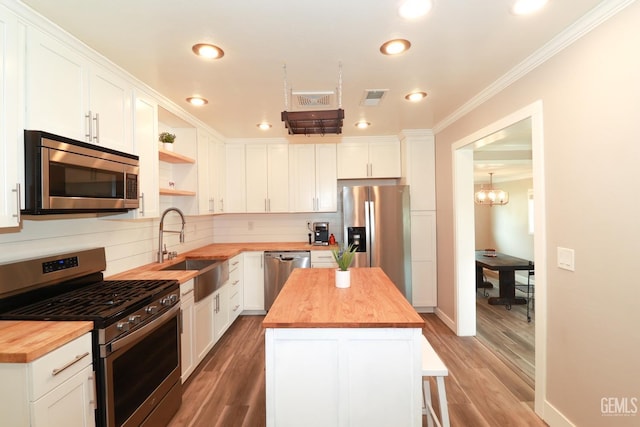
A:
{"x": 312, "y": 99}
{"x": 373, "y": 97}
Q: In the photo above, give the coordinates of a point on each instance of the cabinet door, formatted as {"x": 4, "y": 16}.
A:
{"x": 146, "y": 146}
{"x": 302, "y": 177}
{"x": 56, "y": 87}
{"x": 353, "y": 160}
{"x": 256, "y": 169}
{"x": 384, "y": 159}
{"x": 423, "y": 259}
{"x": 221, "y": 176}
{"x": 254, "y": 281}
{"x": 69, "y": 404}
{"x": 204, "y": 337}
{"x": 277, "y": 178}
{"x": 221, "y": 312}
{"x": 11, "y": 136}
{"x": 187, "y": 344}
{"x": 235, "y": 185}
{"x": 326, "y": 178}
{"x": 110, "y": 105}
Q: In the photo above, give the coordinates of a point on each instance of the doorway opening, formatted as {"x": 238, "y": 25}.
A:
{"x": 464, "y": 233}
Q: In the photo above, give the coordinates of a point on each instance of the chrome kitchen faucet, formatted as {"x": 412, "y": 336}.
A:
{"x": 163, "y": 251}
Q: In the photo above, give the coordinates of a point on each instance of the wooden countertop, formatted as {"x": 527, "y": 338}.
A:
{"x": 154, "y": 270}
{"x": 310, "y": 299}
{"x": 25, "y": 341}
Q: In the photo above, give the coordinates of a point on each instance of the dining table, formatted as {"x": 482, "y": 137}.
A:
{"x": 506, "y": 266}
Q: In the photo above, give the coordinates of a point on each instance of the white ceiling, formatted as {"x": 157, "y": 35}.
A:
{"x": 458, "y": 49}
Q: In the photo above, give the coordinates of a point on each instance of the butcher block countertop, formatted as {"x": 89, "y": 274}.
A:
{"x": 25, "y": 341}
{"x": 154, "y": 270}
{"x": 310, "y": 299}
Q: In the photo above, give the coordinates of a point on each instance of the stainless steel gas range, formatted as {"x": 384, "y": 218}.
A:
{"x": 136, "y": 335}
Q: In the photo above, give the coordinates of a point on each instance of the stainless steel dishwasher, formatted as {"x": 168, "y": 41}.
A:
{"x": 277, "y": 268}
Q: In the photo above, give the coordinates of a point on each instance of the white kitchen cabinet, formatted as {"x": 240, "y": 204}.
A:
{"x": 253, "y": 282}
{"x": 313, "y": 178}
{"x": 369, "y": 159}
{"x": 267, "y": 185}
{"x": 235, "y": 195}
{"x": 323, "y": 259}
{"x": 204, "y": 336}
{"x": 418, "y": 168}
{"x": 69, "y": 95}
{"x": 188, "y": 358}
{"x": 210, "y": 170}
{"x": 56, "y": 389}
{"x": 11, "y": 135}
{"x": 146, "y": 147}
{"x": 220, "y": 312}
{"x": 236, "y": 287}
{"x": 423, "y": 259}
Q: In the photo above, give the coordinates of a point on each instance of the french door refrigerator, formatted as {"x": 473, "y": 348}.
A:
{"x": 377, "y": 220}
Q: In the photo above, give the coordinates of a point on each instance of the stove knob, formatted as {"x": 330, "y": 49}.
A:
{"x": 123, "y": 327}
{"x": 152, "y": 309}
{"x": 165, "y": 301}
{"x": 135, "y": 319}
{"x": 173, "y": 298}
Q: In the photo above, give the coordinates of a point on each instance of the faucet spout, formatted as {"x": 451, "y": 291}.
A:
{"x": 161, "y": 251}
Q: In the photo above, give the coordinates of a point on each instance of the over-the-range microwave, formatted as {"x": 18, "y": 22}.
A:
{"x": 67, "y": 176}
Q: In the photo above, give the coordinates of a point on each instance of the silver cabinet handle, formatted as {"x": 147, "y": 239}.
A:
{"x": 89, "y": 135}
{"x": 221, "y": 205}
{"x": 17, "y": 214}
{"x": 93, "y": 401}
{"x": 141, "y": 203}
{"x": 187, "y": 293}
{"x": 97, "y": 120}
{"x": 236, "y": 307}
{"x": 78, "y": 358}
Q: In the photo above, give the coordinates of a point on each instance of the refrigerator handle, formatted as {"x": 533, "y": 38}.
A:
{"x": 369, "y": 222}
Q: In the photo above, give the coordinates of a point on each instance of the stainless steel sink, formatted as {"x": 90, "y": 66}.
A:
{"x": 212, "y": 274}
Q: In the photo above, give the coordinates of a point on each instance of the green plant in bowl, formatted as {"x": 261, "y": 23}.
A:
{"x": 344, "y": 257}
{"x": 167, "y": 137}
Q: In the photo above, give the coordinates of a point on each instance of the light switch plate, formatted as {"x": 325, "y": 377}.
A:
{"x": 566, "y": 259}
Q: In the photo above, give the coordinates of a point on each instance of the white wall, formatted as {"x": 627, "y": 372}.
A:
{"x": 589, "y": 93}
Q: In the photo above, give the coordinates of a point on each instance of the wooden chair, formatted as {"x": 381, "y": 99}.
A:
{"x": 432, "y": 366}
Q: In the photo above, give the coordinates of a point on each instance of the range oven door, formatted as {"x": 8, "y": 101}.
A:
{"x": 141, "y": 375}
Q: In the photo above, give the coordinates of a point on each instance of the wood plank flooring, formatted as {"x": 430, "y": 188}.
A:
{"x": 507, "y": 333}
{"x": 228, "y": 388}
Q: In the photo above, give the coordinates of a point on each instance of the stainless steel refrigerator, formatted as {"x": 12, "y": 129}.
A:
{"x": 377, "y": 220}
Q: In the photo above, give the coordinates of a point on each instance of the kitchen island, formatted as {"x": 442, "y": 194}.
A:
{"x": 342, "y": 357}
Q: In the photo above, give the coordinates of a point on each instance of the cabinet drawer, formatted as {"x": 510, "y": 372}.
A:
{"x": 56, "y": 367}
{"x": 323, "y": 259}
{"x": 234, "y": 305}
{"x": 186, "y": 288}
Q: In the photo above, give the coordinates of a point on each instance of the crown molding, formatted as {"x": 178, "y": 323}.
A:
{"x": 571, "y": 34}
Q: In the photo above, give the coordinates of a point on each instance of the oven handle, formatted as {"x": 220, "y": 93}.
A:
{"x": 145, "y": 330}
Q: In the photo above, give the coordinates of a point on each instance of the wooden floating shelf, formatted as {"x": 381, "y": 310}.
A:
{"x": 171, "y": 157}
{"x": 171, "y": 192}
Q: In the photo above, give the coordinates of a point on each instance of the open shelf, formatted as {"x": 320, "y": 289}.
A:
{"x": 171, "y": 157}
{"x": 171, "y": 192}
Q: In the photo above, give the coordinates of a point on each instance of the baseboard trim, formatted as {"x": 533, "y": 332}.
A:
{"x": 554, "y": 417}
{"x": 446, "y": 320}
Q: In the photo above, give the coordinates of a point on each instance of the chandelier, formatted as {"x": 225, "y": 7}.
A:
{"x": 491, "y": 196}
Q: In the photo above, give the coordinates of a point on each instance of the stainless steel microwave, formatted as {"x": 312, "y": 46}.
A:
{"x": 67, "y": 176}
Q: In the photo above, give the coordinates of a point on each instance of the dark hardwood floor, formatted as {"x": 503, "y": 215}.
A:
{"x": 228, "y": 388}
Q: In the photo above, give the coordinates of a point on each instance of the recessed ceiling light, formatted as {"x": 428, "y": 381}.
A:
{"x": 394, "y": 47}
{"x": 264, "y": 126}
{"x": 197, "y": 100}
{"x": 525, "y": 7}
{"x": 363, "y": 124}
{"x": 207, "y": 51}
{"x": 416, "y": 96}
{"x": 412, "y": 9}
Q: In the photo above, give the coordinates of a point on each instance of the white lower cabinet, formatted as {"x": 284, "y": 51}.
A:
{"x": 187, "y": 336}
{"x": 423, "y": 259}
{"x": 236, "y": 287}
{"x": 204, "y": 335}
{"x": 254, "y": 281}
{"x": 323, "y": 259}
{"x": 58, "y": 389}
{"x": 220, "y": 312}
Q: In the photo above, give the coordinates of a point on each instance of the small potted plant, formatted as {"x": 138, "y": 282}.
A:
{"x": 344, "y": 258}
{"x": 167, "y": 140}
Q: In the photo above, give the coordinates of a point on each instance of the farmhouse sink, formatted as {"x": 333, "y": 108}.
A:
{"x": 212, "y": 274}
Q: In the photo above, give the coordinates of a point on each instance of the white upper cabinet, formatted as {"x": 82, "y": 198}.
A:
{"x": 235, "y": 183}
{"x": 210, "y": 172}
{"x": 71, "y": 96}
{"x": 312, "y": 178}
{"x": 267, "y": 169}
{"x": 369, "y": 159}
{"x": 419, "y": 169}
{"x": 11, "y": 135}
{"x": 146, "y": 147}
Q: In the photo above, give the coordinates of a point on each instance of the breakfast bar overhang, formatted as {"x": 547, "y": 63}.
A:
{"x": 342, "y": 357}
